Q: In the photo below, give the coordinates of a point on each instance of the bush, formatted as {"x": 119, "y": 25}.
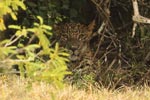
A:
{"x": 29, "y": 48}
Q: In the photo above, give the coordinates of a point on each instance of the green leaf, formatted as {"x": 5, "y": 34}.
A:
{"x": 2, "y": 25}
{"x": 14, "y": 27}
{"x": 21, "y": 4}
{"x": 46, "y": 27}
{"x": 4, "y": 42}
{"x": 32, "y": 47}
{"x": 41, "y": 20}
{"x": 31, "y": 30}
{"x": 8, "y": 50}
{"x": 64, "y": 54}
{"x": 36, "y": 24}
{"x": 18, "y": 33}
{"x": 13, "y": 16}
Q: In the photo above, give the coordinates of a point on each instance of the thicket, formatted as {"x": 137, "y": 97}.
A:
{"x": 125, "y": 60}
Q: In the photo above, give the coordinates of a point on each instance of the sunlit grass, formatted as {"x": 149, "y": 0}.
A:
{"x": 14, "y": 88}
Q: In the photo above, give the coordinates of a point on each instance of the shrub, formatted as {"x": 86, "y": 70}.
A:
{"x": 29, "y": 49}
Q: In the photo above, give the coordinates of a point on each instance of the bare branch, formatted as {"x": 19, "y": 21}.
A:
{"x": 137, "y": 18}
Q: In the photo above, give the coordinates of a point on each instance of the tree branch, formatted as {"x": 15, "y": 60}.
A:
{"x": 137, "y": 18}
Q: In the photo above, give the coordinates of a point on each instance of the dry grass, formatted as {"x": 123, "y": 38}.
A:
{"x": 12, "y": 88}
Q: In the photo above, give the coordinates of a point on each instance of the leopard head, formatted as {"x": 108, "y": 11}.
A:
{"x": 75, "y": 37}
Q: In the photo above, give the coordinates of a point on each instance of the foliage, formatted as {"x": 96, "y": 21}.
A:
{"x": 48, "y": 10}
{"x": 10, "y": 7}
{"x": 35, "y": 58}
{"x": 123, "y": 59}
{"x": 55, "y": 11}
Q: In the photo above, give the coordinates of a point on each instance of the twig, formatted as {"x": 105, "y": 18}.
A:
{"x": 13, "y": 41}
{"x": 137, "y": 18}
{"x": 15, "y": 61}
{"x": 133, "y": 29}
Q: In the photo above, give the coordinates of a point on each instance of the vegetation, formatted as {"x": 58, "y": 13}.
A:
{"x": 16, "y": 89}
{"x": 35, "y": 60}
{"x": 29, "y": 47}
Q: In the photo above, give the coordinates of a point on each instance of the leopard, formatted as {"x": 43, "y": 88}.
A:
{"x": 76, "y": 38}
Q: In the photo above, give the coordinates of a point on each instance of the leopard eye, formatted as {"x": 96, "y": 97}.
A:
{"x": 81, "y": 36}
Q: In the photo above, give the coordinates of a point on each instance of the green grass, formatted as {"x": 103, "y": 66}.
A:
{"x": 14, "y": 88}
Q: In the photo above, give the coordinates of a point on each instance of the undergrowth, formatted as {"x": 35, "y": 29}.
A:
{"x": 14, "y": 88}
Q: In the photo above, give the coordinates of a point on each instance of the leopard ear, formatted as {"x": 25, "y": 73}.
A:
{"x": 91, "y": 27}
